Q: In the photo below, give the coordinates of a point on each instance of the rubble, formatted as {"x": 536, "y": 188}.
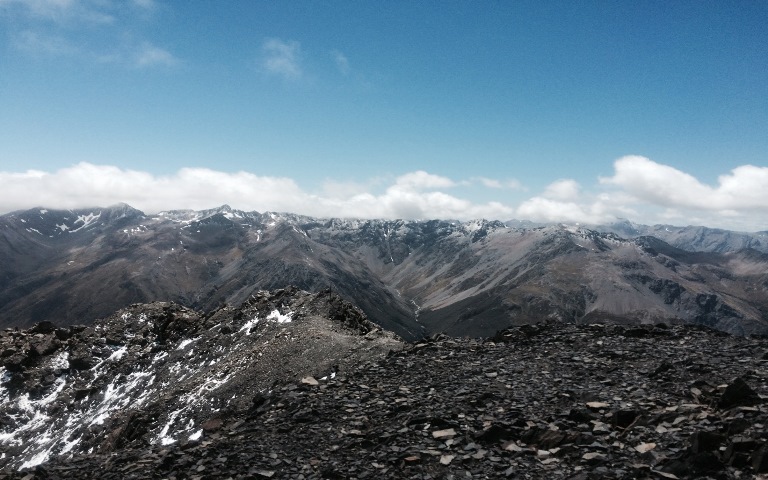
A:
{"x": 564, "y": 401}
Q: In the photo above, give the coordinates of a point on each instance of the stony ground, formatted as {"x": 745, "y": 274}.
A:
{"x": 157, "y": 373}
{"x": 546, "y": 402}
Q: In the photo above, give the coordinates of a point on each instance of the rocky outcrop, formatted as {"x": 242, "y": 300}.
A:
{"x": 162, "y": 374}
{"x": 543, "y": 401}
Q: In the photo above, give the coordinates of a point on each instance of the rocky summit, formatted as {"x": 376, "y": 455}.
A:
{"x": 161, "y": 374}
{"x": 294, "y": 385}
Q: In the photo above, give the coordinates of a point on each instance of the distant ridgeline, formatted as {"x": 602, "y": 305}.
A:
{"x": 414, "y": 278}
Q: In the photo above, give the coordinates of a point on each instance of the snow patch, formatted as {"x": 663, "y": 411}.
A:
{"x": 280, "y": 318}
{"x": 186, "y": 342}
{"x": 86, "y": 220}
{"x": 36, "y": 460}
{"x": 249, "y": 325}
{"x": 118, "y": 354}
{"x": 60, "y": 361}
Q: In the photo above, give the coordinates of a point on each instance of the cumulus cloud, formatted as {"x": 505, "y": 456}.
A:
{"x": 413, "y": 195}
{"x": 510, "y": 184}
{"x": 86, "y": 185}
{"x": 564, "y": 190}
{"x": 744, "y": 188}
{"x": 649, "y": 192}
{"x": 562, "y": 201}
{"x": 422, "y": 180}
{"x": 282, "y": 58}
{"x": 738, "y": 202}
{"x": 542, "y": 209}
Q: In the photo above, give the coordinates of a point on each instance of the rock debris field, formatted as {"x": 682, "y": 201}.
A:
{"x": 542, "y": 401}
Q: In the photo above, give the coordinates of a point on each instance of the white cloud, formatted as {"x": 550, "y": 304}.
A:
{"x": 564, "y": 190}
{"x": 102, "y": 31}
{"x": 744, "y": 188}
{"x": 282, "y": 58}
{"x": 649, "y": 192}
{"x": 490, "y": 183}
{"x": 40, "y": 43}
{"x": 412, "y": 195}
{"x": 62, "y": 12}
{"x": 562, "y": 201}
{"x": 86, "y": 184}
{"x": 342, "y": 63}
{"x": 421, "y": 180}
{"x": 149, "y": 55}
{"x": 542, "y": 209}
{"x": 336, "y": 189}
{"x": 738, "y": 202}
{"x": 494, "y": 183}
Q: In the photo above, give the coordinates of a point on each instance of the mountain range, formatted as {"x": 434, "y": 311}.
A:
{"x": 415, "y": 278}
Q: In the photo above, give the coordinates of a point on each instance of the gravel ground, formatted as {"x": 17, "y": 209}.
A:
{"x": 546, "y": 401}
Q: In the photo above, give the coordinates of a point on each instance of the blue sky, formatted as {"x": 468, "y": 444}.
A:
{"x": 552, "y": 111}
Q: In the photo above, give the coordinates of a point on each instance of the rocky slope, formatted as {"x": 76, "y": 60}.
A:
{"x": 161, "y": 374}
{"x": 415, "y": 278}
{"x": 547, "y": 401}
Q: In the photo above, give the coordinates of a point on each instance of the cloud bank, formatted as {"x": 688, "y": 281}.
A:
{"x": 744, "y": 188}
{"x": 649, "y": 192}
{"x": 639, "y": 189}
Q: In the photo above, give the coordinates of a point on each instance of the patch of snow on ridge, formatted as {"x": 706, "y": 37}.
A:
{"x": 36, "y": 460}
{"x": 118, "y": 354}
{"x": 279, "y": 318}
{"x": 274, "y": 316}
{"x": 86, "y": 220}
{"x": 249, "y": 325}
{"x": 163, "y": 438}
{"x": 186, "y": 342}
{"x": 60, "y": 361}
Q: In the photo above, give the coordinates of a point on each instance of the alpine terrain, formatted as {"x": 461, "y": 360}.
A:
{"x": 291, "y": 384}
{"x": 232, "y": 344}
{"x": 414, "y": 278}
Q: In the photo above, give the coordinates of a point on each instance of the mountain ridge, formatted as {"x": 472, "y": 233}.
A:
{"x": 412, "y": 277}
